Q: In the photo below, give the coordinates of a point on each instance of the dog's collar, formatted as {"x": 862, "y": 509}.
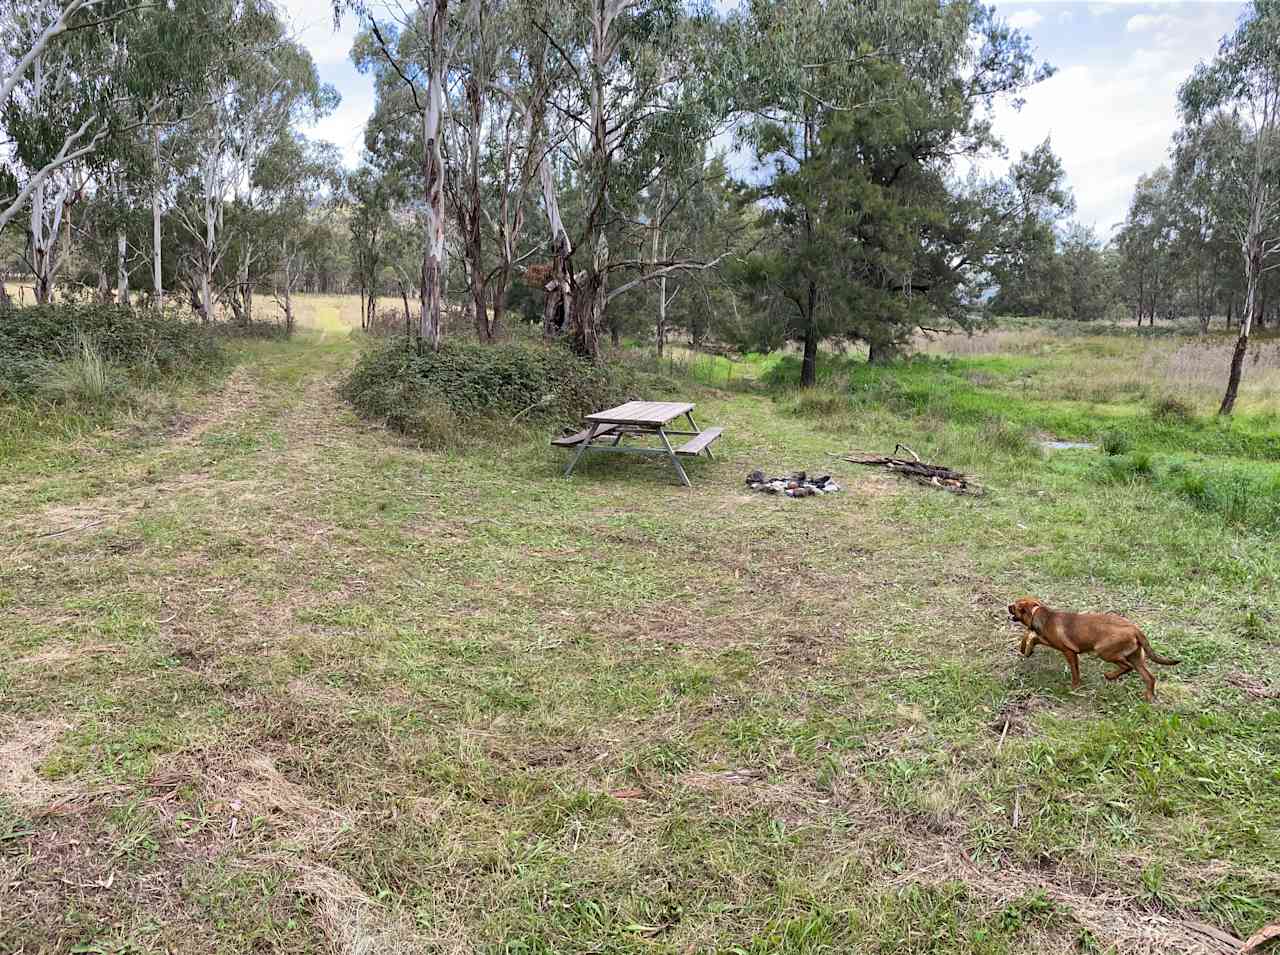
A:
{"x": 1032, "y": 625}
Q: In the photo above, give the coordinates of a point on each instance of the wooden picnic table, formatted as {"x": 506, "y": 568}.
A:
{"x": 641, "y": 419}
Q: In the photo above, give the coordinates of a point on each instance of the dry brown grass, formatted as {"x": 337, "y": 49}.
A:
{"x": 1104, "y": 368}
{"x": 23, "y": 747}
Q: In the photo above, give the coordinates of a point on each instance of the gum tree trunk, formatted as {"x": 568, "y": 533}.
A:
{"x": 431, "y": 290}
{"x": 157, "y": 275}
{"x": 122, "y": 269}
{"x": 558, "y": 302}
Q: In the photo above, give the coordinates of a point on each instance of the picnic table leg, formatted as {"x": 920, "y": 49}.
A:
{"x": 581, "y": 449}
{"x": 694, "y": 425}
{"x": 675, "y": 462}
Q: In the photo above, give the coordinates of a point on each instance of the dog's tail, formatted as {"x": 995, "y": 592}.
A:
{"x": 1151, "y": 654}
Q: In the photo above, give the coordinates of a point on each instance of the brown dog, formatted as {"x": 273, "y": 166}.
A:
{"x": 1106, "y": 635}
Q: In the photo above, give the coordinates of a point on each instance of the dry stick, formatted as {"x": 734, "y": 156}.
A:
{"x": 68, "y": 530}
{"x": 1003, "y": 733}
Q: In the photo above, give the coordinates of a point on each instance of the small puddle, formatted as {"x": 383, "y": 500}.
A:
{"x": 1068, "y": 445}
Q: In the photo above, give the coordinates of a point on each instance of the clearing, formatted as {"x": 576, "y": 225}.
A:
{"x": 272, "y": 679}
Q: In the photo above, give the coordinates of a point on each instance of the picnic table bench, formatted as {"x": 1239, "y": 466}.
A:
{"x": 606, "y": 429}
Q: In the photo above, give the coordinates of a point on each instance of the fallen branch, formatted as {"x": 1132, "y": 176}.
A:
{"x": 934, "y": 475}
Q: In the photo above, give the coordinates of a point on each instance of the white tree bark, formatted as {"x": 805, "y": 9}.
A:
{"x": 1255, "y": 245}
{"x": 157, "y": 274}
{"x": 434, "y": 253}
{"x": 122, "y": 268}
{"x": 558, "y": 303}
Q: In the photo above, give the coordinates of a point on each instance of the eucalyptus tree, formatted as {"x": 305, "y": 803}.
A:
{"x": 419, "y": 41}
{"x": 635, "y": 94}
{"x": 296, "y": 180}
{"x": 1202, "y": 250}
{"x": 62, "y": 67}
{"x": 1145, "y": 242}
{"x": 509, "y": 70}
{"x": 259, "y": 93}
{"x": 1243, "y": 82}
{"x": 59, "y": 93}
{"x": 369, "y": 196}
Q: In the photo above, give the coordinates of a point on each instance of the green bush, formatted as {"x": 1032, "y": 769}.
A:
{"x": 427, "y": 395}
{"x": 1001, "y": 436}
{"x": 34, "y": 340}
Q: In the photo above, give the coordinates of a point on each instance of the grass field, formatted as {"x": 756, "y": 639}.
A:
{"x": 272, "y": 679}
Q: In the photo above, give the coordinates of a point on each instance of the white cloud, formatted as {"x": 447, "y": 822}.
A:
{"x": 311, "y": 23}
{"x": 1111, "y": 115}
{"x": 1025, "y": 19}
{"x": 1149, "y": 21}
{"x": 1066, "y": 16}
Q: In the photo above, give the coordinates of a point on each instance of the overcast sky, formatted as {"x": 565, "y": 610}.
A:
{"x": 1110, "y": 110}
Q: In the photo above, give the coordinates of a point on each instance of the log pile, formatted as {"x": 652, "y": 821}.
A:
{"x": 932, "y": 475}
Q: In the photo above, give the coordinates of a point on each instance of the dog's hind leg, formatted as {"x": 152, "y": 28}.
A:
{"x": 1140, "y": 665}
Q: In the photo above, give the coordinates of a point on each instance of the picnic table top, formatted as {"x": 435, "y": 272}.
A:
{"x": 651, "y": 413}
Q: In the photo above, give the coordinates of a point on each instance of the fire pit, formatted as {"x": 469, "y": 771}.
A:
{"x": 798, "y": 484}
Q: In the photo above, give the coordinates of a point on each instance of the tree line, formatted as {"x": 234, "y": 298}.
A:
{"x": 785, "y": 171}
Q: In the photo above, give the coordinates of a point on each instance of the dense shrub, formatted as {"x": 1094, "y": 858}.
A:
{"x": 427, "y": 394}
{"x": 1173, "y": 410}
{"x": 36, "y": 341}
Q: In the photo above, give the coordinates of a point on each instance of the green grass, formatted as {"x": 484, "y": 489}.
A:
{"x": 293, "y": 683}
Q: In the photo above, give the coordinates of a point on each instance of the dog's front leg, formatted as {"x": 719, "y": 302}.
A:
{"x": 1029, "y": 641}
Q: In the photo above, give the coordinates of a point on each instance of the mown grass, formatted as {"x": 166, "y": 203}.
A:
{"x": 271, "y": 677}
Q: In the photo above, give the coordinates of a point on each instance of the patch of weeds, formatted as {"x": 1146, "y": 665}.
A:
{"x": 1115, "y": 442}
{"x": 13, "y": 826}
{"x": 813, "y": 403}
{"x": 1008, "y": 439}
{"x": 1126, "y": 469}
{"x": 1254, "y": 626}
{"x": 667, "y": 756}
{"x": 85, "y": 378}
{"x": 1035, "y": 909}
{"x": 1239, "y": 498}
{"x": 1173, "y": 410}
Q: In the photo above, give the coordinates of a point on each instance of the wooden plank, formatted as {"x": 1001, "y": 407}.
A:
{"x": 652, "y": 413}
{"x": 700, "y": 442}
{"x": 572, "y": 440}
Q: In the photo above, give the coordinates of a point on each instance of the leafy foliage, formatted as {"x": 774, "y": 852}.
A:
{"x": 33, "y": 340}
{"x": 415, "y": 390}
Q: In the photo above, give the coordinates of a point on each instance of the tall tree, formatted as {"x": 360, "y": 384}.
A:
{"x": 259, "y": 93}
{"x": 1243, "y": 80}
{"x": 420, "y": 50}
{"x": 1145, "y": 242}
{"x": 914, "y": 84}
